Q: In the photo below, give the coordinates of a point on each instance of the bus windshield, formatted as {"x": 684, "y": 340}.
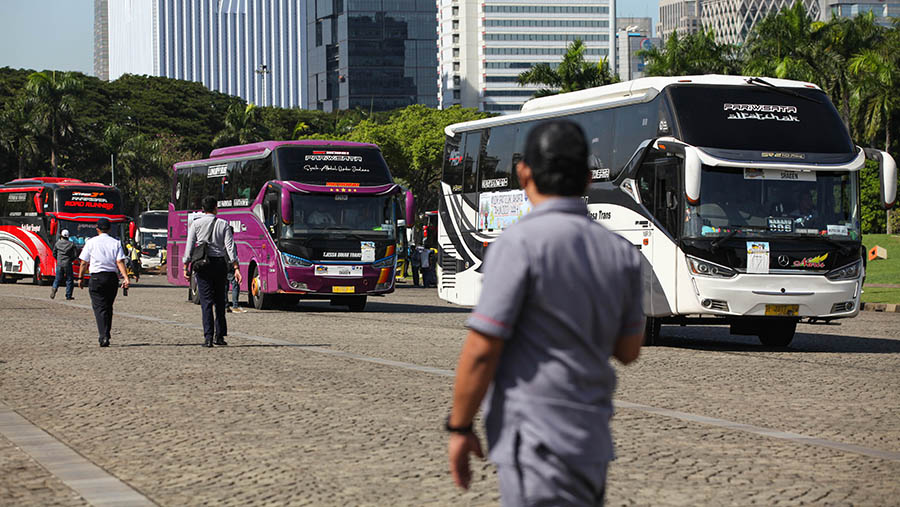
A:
{"x": 79, "y": 232}
{"x": 319, "y": 166}
{"x": 364, "y": 216}
{"x": 759, "y": 118}
{"x": 90, "y": 200}
{"x": 154, "y": 220}
{"x": 774, "y": 202}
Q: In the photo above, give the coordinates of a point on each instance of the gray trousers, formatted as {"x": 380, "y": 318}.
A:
{"x": 540, "y": 478}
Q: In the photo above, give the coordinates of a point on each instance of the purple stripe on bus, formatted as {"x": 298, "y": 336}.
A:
{"x": 271, "y": 145}
{"x": 326, "y": 189}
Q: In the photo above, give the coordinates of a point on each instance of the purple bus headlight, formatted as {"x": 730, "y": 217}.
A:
{"x": 293, "y": 261}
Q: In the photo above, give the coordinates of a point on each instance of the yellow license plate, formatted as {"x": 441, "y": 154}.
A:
{"x": 783, "y": 310}
{"x": 343, "y": 289}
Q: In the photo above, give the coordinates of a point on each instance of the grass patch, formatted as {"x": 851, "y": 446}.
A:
{"x": 883, "y": 270}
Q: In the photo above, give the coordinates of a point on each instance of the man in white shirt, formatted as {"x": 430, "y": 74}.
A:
{"x": 103, "y": 256}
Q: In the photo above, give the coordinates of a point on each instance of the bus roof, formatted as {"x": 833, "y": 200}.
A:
{"x": 247, "y": 149}
{"x": 42, "y": 181}
{"x": 601, "y": 97}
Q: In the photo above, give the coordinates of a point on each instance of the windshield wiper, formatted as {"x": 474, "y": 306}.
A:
{"x": 765, "y": 84}
{"x": 721, "y": 239}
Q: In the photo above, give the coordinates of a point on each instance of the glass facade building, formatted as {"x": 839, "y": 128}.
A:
{"x": 371, "y": 54}
{"x": 483, "y": 45}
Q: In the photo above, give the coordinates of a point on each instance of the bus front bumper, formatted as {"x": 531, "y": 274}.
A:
{"x": 774, "y": 296}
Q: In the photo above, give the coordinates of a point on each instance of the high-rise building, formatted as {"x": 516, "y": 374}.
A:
{"x": 678, "y": 15}
{"x": 883, "y": 10}
{"x": 483, "y": 45}
{"x": 101, "y": 41}
{"x": 633, "y": 35}
{"x": 733, "y": 20}
{"x": 371, "y": 54}
{"x": 253, "y": 49}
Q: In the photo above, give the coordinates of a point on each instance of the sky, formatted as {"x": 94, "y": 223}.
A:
{"x": 59, "y": 34}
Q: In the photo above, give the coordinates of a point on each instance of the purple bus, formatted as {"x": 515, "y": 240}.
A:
{"x": 312, "y": 219}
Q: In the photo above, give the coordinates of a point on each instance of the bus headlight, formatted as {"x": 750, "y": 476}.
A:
{"x": 711, "y": 269}
{"x": 848, "y": 272}
{"x": 294, "y": 261}
{"x": 387, "y": 262}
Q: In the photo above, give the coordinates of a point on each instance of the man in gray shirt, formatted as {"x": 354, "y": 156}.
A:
{"x": 560, "y": 295}
{"x": 64, "y": 251}
{"x": 212, "y": 281}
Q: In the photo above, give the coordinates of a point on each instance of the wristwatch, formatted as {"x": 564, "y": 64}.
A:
{"x": 457, "y": 429}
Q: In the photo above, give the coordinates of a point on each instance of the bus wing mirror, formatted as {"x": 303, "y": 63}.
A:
{"x": 131, "y": 229}
{"x": 287, "y": 215}
{"x": 410, "y": 207}
{"x": 54, "y": 224}
{"x": 692, "y": 165}
{"x": 887, "y": 169}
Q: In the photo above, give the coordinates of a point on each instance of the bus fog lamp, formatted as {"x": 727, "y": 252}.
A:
{"x": 706, "y": 303}
{"x": 299, "y": 286}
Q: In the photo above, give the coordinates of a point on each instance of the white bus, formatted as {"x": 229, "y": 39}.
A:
{"x": 741, "y": 193}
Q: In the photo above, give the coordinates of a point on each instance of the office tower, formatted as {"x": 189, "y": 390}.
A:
{"x": 633, "y": 35}
{"x": 680, "y": 15}
{"x": 371, "y": 54}
{"x": 101, "y": 41}
{"x": 883, "y": 10}
{"x": 733, "y": 20}
{"x": 249, "y": 48}
{"x": 483, "y": 45}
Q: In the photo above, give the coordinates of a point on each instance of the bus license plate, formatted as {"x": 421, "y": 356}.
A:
{"x": 338, "y": 289}
{"x": 783, "y": 310}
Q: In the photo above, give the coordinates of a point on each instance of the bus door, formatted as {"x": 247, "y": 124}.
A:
{"x": 272, "y": 222}
{"x": 658, "y": 182}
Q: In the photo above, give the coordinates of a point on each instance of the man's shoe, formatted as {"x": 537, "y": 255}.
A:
{"x": 104, "y": 343}
{"x": 228, "y": 309}
{"x": 208, "y": 343}
{"x": 238, "y": 309}
{"x": 69, "y": 298}
{"x": 221, "y": 341}
{"x": 53, "y": 292}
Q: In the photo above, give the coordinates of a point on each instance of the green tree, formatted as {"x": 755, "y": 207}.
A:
{"x": 690, "y": 55}
{"x": 53, "y": 93}
{"x": 242, "y": 126}
{"x": 878, "y": 72}
{"x": 114, "y": 139}
{"x": 785, "y": 45}
{"x": 572, "y": 74}
{"x": 18, "y": 134}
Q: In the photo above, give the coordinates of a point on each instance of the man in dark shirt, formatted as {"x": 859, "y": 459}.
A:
{"x": 64, "y": 252}
{"x": 560, "y": 296}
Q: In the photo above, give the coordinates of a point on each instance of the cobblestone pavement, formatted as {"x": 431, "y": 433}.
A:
{"x": 269, "y": 424}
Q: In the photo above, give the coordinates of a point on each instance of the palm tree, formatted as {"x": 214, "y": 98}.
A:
{"x": 114, "y": 138}
{"x": 693, "y": 54}
{"x": 878, "y": 71}
{"x": 784, "y": 45}
{"x": 140, "y": 162}
{"x": 300, "y": 130}
{"x": 53, "y": 93}
{"x": 573, "y": 73}
{"x": 242, "y": 126}
{"x": 18, "y": 134}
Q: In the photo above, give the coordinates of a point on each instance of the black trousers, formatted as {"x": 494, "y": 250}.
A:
{"x": 103, "y": 288}
{"x": 212, "y": 285}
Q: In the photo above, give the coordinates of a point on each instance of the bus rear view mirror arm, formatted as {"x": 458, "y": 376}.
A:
{"x": 887, "y": 168}
{"x": 692, "y": 165}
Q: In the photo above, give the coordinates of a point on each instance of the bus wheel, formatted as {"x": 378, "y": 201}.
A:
{"x": 194, "y": 290}
{"x": 651, "y": 332}
{"x": 38, "y": 278}
{"x": 356, "y": 303}
{"x": 258, "y": 299}
{"x": 778, "y": 334}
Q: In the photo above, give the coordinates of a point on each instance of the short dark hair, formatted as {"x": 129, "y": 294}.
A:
{"x": 103, "y": 224}
{"x": 209, "y": 204}
{"x": 557, "y": 153}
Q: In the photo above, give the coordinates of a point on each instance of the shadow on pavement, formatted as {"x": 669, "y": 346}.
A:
{"x": 371, "y": 307}
{"x": 229, "y": 346}
{"x": 719, "y": 339}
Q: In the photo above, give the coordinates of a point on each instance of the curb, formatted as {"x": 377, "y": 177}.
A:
{"x": 880, "y": 307}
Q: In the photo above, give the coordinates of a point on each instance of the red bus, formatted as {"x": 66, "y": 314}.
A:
{"x": 34, "y": 211}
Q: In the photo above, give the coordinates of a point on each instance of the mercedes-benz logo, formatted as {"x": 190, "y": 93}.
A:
{"x": 783, "y": 260}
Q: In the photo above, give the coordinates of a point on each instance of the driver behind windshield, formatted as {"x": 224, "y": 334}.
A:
{"x": 321, "y": 216}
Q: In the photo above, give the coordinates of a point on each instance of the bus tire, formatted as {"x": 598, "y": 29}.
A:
{"x": 257, "y": 298}
{"x": 38, "y": 279}
{"x": 194, "y": 290}
{"x": 778, "y": 334}
{"x": 651, "y": 332}
{"x": 356, "y": 303}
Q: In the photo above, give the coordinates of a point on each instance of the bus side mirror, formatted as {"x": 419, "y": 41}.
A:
{"x": 410, "y": 207}
{"x": 131, "y": 230}
{"x": 287, "y": 214}
{"x": 692, "y": 165}
{"x": 54, "y": 224}
{"x": 887, "y": 168}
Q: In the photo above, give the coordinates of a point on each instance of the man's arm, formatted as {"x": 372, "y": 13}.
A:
{"x": 121, "y": 265}
{"x": 628, "y": 348}
{"x": 82, "y": 268}
{"x": 474, "y": 373}
{"x": 631, "y": 331}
